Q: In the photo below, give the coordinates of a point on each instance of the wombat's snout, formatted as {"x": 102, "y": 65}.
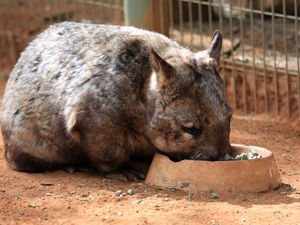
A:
{"x": 226, "y": 154}
{"x": 214, "y": 154}
{"x": 214, "y": 157}
{"x": 205, "y": 154}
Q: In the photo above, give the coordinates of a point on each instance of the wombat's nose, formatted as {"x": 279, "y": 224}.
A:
{"x": 220, "y": 152}
{"x": 214, "y": 157}
{"x": 211, "y": 155}
{"x": 226, "y": 153}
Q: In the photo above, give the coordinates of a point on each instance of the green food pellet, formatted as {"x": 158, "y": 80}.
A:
{"x": 245, "y": 156}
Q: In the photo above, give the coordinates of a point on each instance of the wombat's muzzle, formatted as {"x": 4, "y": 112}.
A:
{"x": 206, "y": 154}
{"x": 226, "y": 154}
{"x": 214, "y": 154}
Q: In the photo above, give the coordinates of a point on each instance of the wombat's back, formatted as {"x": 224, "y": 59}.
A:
{"x": 62, "y": 65}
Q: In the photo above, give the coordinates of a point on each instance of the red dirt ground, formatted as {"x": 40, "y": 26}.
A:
{"x": 82, "y": 198}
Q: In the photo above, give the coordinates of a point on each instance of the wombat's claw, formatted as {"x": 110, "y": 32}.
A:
{"x": 69, "y": 169}
{"x": 72, "y": 169}
{"x": 135, "y": 171}
{"x": 123, "y": 176}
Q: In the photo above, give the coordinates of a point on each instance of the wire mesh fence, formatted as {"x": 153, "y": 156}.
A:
{"x": 260, "y": 54}
{"x": 260, "y": 61}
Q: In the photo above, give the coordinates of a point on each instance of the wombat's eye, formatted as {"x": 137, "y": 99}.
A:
{"x": 192, "y": 130}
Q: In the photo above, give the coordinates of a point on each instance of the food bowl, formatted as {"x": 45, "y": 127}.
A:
{"x": 253, "y": 175}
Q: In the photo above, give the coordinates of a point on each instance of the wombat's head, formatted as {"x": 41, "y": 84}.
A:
{"x": 192, "y": 115}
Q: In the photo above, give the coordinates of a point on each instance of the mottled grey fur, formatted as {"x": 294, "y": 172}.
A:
{"x": 100, "y": 97}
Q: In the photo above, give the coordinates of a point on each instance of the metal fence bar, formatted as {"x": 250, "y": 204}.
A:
{"x": 286, "y": 60}
{"x": 200, "y": 22}
{"x": 275, "y": 63}
{"x": 171, "y": 17}
{"x": 181, "y": 20}
{"x": 210, "y": 16}
{"x": 232, "y": 63}
{"x": 243, "y": 63}
{"x": 220, "y": 14}
{"x": 253, "y": 61}
{"x": 191, "y": 23}
{"x": 161, "y": 12}
{"x": 264, "y": 58}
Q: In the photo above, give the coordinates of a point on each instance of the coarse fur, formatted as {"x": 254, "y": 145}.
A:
{"x": 101, "y": 97}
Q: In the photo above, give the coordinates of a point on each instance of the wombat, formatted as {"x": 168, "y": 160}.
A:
{"x": 105, "y": 98}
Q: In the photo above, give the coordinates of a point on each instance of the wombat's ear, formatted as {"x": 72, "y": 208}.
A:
{"x": 216, "y": 45}
{"x": 160, "y": 66}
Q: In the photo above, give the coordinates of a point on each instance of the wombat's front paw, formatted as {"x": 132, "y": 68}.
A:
{"x": 135, "y": 171}
{"x": 78, "y": 168}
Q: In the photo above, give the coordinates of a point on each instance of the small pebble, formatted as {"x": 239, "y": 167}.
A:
{"x": 243, "y": 220}
{"x": 130, "y": 191}
{"x": 214, "y": 195}
{"x": 118, "y": 193}
{"x": 138, "y": 202}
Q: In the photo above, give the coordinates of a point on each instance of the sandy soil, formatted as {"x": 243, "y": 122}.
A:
{"x": 83, "y": 198}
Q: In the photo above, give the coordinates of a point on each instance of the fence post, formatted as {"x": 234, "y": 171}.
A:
{"x": 150, "y": 15}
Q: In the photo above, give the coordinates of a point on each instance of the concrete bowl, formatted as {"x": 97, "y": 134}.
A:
{"x": 254, "y": 175}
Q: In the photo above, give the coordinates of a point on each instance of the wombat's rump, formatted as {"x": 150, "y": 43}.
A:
{"x": 104, "y": 98}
